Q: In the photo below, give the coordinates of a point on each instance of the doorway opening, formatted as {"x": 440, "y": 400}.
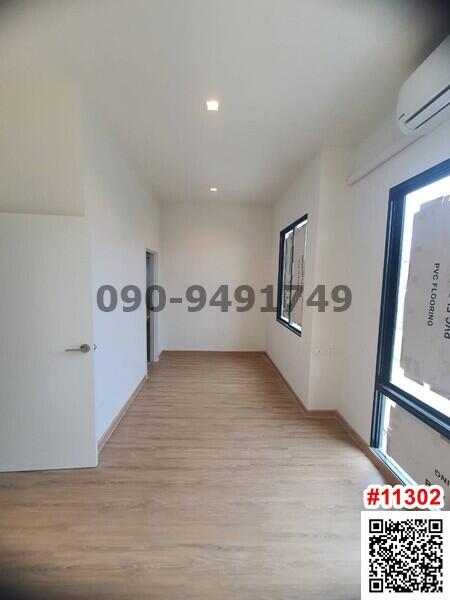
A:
{"x": 150, "y": 315}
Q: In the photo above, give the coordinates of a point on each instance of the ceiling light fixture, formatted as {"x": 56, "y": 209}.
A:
{"x": 212, "y": 104}
{"x": 213, "y": 189}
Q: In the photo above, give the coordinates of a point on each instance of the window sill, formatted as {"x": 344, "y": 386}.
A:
{"x": 293, "y": 329}
{"x": 395, "y": 469}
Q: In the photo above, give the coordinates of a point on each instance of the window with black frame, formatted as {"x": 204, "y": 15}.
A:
{"x": 413, "y": 365}
{"x": 291, "y": 275}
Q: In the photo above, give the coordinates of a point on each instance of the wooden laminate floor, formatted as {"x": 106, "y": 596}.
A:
{"x": 214, "y": 486}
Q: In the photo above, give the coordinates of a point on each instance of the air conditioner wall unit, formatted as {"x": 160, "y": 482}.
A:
{"x": 424, "y": 98}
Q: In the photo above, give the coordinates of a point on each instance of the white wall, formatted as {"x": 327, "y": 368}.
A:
{"x": 211, "y": 245}
{"x": 124, "y": 222}
{"x": 312, "y": 364}
{"x": 366, "y": 213}
{"x": 330, "y": 270}
{"x": 291, "y": 353}
{"x": 333, "y": 365}
{"x": 58, "y": 159}
{"x": 41, "y": 169}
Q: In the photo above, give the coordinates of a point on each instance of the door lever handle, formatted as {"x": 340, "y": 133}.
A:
{"x": 84, "y": 348}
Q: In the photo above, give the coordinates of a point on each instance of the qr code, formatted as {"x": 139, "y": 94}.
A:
{"x": 405, "y": 554}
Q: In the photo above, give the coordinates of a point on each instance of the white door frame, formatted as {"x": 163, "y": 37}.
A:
{"x": 154, "y": 316}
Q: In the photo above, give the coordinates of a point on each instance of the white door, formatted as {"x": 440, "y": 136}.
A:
{"x": 47, "y": 418}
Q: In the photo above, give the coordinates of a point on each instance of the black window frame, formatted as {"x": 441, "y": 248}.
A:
{"x": 392, "y": 265}
{"x": 283, "y": 233}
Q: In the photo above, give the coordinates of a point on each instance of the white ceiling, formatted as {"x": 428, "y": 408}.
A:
{"x": 289, "y": 74}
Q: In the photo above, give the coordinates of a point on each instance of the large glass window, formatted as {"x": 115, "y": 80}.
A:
{"x": 291, "y": 275}
{"x": 413, "y": 366}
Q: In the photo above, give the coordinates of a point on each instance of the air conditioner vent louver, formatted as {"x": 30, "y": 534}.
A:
{"x": 432, "y": 116}
{"x": 424, "y": 99}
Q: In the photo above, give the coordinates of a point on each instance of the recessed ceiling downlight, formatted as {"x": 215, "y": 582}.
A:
{"x": 213, "y": 189}
{"x": 212, "y": 104}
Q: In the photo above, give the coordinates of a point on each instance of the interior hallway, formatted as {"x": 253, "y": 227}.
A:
{"x": 214, "y": 485}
